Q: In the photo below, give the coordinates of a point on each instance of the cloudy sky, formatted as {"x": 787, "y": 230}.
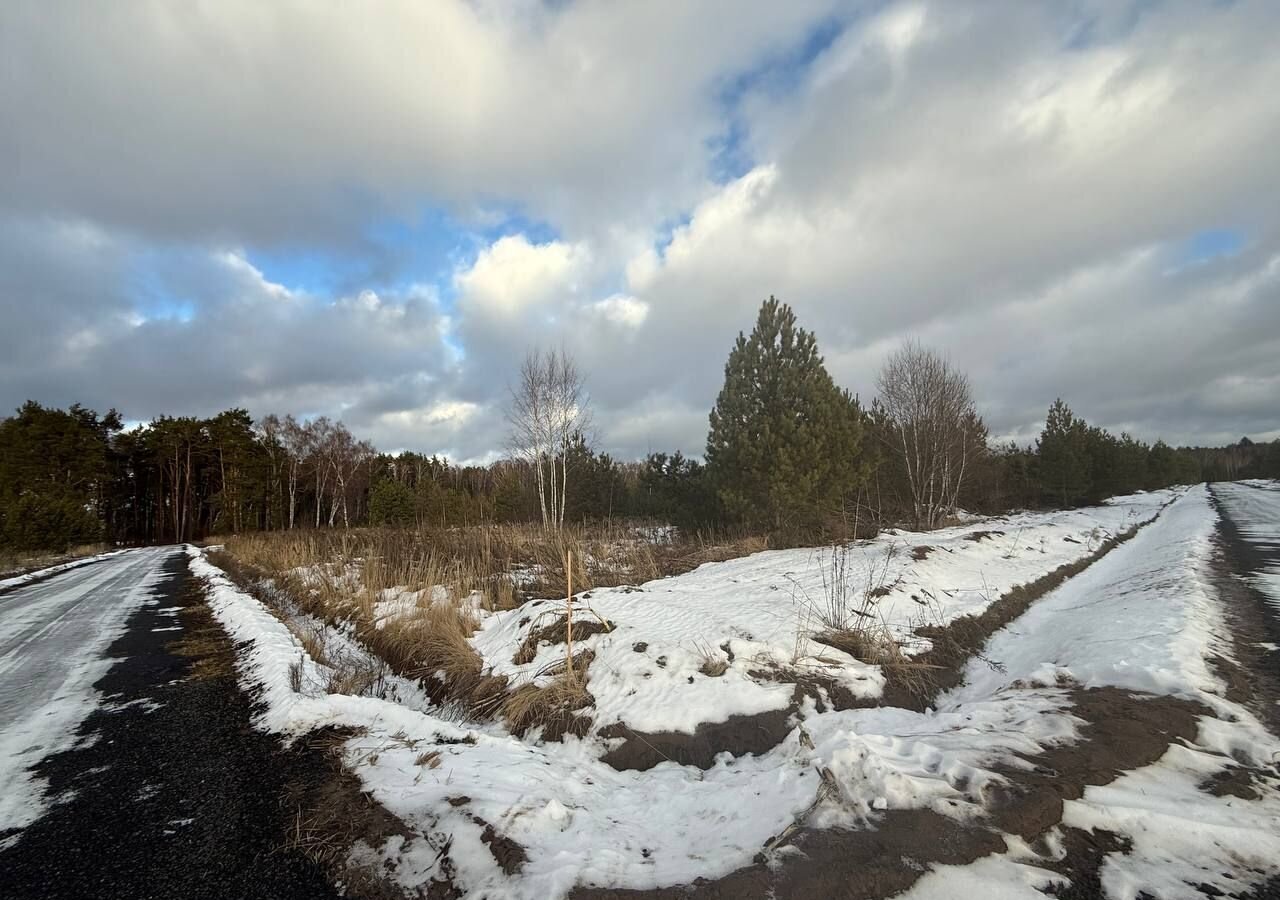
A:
{"x": 371, "y": 210}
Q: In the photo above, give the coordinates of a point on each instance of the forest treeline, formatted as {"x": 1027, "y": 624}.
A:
{"x": 787, "y": 450}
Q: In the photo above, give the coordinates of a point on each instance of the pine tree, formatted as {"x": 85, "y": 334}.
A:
{"x": 785, "y": 441}
{"x": 1063, "y": 452}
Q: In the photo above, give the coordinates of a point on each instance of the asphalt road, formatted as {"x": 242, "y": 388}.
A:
{"x": 128, "y": 763}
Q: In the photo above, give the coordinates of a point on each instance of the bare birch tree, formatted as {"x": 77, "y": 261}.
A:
{"x": 296, "y": 441}
{"x": 319, "y": 434}
{"x": 929, "y": 423}
{"x": 547, "y": 412}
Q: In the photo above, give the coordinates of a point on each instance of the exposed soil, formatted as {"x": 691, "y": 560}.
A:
{"x": 557, "y": 632}
{"x": 1254, "y": 678}
{"x": 1233, "y": 781}
{"x": 881, "y": 861}
{"x": 954, "y": 645}
{"x": 979, "y": 536}
{"x": 1122, "y": 731}
{"x": 332, "y": 814}
{"x": 738, "y": 736}
{"x": 1082, "y": 861}
{"x": 508, "y": 854}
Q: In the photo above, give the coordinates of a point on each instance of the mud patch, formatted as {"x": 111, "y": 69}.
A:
{"x": 738, "y": 736}
{"x": 332, "y": 814}
{"x": 558, "y": 633}
{"x": 885, "y": 859}
{"x": 508, "y": 854}
{"x": 826, "y": 692}
{"x": 1233, "y": 781}
{"x": 1122, "y": 731}
{"x": 1082, "y": 861}
{"x": 979, "y": 536}
{"x": 1254, "y": 624}
{"x": 1239, "y": 688}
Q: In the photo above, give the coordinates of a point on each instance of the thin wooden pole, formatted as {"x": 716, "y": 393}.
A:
{"x": 568, "y": 616}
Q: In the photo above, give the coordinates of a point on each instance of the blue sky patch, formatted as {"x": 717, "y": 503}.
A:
{"x": 1211, "y": 244}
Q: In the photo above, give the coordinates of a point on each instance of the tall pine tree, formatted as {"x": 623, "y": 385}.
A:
{"x": 1064, "y": 455}
{"x": 784, "y": 450}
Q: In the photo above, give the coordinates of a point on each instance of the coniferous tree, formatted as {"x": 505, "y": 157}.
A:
{"x": 1063, "y": 451}
{"x": 785, "y": 442}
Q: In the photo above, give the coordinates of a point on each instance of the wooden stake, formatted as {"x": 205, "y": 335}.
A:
{"x": 568, "y": 614}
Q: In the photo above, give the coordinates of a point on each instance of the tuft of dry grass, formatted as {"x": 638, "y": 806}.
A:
{"x": 713, "y": 664}
{"x": 553, "y": 706}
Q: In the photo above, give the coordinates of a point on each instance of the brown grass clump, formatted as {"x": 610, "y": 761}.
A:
{"x": 714, "y": 664}
{"x": 432, "y": 646}
{"x": 873, "y": 643}
{"x": 553, "y": 706}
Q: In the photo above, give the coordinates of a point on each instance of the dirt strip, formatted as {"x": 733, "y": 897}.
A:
{"x": 962, "y": 639}
{"x": 1121, "y": 731}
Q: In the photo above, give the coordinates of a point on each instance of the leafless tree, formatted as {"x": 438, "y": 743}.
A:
{"x": 548, "y": 411}
{"x": 295, "y": 442}
{"x": 930, "y": 424}
{"x": 345, "y": 457}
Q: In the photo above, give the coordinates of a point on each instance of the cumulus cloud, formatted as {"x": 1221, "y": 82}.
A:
{"x": 274, "y": 122}
{"x": 1018, "y": 184}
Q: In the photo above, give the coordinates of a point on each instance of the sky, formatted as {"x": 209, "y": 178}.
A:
{"x": 373, "y": 211}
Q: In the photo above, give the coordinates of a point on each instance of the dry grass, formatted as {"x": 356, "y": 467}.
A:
{"x": 553, "y": 706}
{"x": 342, "y": 577}
{"x": 874, "y": 643}
{"x": 18, "y": 563}
{"x": 847, "y": 617}
{"x": 202, "y": 639}
{"x": 485, "y": 558}
{"x": 714, "y": 664}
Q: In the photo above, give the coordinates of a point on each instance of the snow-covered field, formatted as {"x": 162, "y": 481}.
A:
{"x": 760, "y": 613}
{"x": 1145, "y": 617}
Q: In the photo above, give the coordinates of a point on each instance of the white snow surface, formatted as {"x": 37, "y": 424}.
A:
{"x": 1144, "y": 617}
{"x": 1147, "y": 618}
{"x": 53, "y": 637}
{"x": 763, "y": 610}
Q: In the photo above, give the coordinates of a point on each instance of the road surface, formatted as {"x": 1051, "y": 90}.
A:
{"x": 128, "y": 763}
{"x": 53, "y": 640}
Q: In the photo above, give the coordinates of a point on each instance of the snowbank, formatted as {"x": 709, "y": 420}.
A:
{"x": 27, "y": 577}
